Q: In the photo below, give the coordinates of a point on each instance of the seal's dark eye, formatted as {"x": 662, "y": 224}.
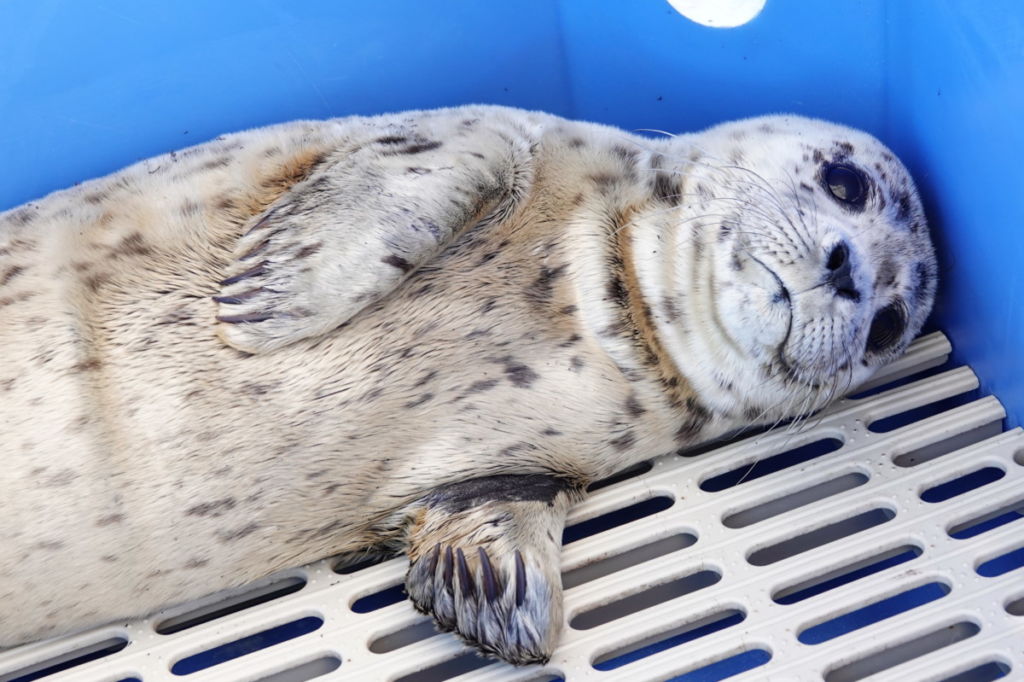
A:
{"x": 886, "y": 329}
{"x": 845, "y": 183}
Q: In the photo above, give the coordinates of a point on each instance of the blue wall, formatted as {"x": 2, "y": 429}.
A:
{"x": 87, "y": 87}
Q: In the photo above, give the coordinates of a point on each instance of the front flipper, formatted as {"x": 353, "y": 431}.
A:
{"x": 364, "y": 219}
{"x": 485, "y": 562}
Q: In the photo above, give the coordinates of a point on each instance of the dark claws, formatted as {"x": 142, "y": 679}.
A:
{"x": 247, "y": 317}
{"x": 239, "y": 298}
{"x": 520, "y": 579}
{"x": 447, "y": 570}
{"x": 251, "y": 272}
{"x": 432, "y": 560}
{"x": 465, "y": 581}
{"x": 487, "y": 577}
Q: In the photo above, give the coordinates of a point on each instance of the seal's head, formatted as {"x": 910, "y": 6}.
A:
{"x": 814, "y": 263}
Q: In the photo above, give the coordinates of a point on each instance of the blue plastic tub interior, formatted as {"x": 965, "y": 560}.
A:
{"x": 88, "y": 87}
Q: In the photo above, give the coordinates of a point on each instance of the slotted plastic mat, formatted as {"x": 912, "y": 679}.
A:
{"x": 883, "y": 541}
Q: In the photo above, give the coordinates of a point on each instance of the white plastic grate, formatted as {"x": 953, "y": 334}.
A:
{"x": 704, "y": 571}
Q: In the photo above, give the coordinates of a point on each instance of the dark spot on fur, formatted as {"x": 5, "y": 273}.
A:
{"x": 398, "y": 262}
{"x": 132, "y": 245}
{"x": 90, "y": 364}
{"x": 576, "y": 142}
{"x": 109, "y": 558}
{"x": 623, "y": 442}
{"x": 109, "y": 520}
{"x": 805, "y": 187}
{"x": 254, "y": 271}
{"x": 219, "y": 162}
{"x": 542, "y": 288}
{"x": 519, "y": 374}
{"x": 604, "y": 180}
{"x": 94, "y": 282}
{"x": 488, "y": 305}
{"x": 216, "y": 508}
{"x": 666, "y": 188}
{"x": 418, "y": 170}
{"x": 309, "y": 250}
{"x": 617, "y": 291}
{"x": 696, "y": 420}
{"x": 59, "y": 479}
{"x": 415, "y": 148}
{"x": 481, "y": 386}
{"x": 633, "y": 407}
{"x": 488, "y": 257}
{"x": 425, "y": 398}
{"x": 10, "y": 274}
{"x": 551, "y": 432}
{"x": 239, "y": 533}
{"x": 477, "y": 155}
{"x": 903, "y": 207}
{"x": 571, "y": 341}
{"x": 819, "y": 156}
{"x": 196, "y": 562}
{"x": 575, "y": 363}
{"x": 886, "y": 275}
{"x": 425, "y": 378}
{"x": 845, "y": 148}
{"x": 568, "y": 310}
{"x": 736, "y": 264}
{"x": 95, "y": 197}
{"x": 50, "y": 545}
{"x": 392, "y": 139}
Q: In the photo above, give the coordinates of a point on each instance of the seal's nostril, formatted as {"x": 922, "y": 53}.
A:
{"x": 838, "y": 257}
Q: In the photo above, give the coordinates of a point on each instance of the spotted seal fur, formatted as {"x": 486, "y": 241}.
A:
{"x": 427, "y": 331}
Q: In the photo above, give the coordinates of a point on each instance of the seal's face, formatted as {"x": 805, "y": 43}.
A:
{"x": 821, "y": 265}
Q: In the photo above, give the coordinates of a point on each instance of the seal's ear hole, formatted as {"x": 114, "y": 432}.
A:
{"x": 845, "y": 183}
{"x": 886, "y": 329}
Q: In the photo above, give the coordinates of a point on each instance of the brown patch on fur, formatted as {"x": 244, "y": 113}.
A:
{"x": 10, "y": 274}
{"x": 132, "y": 245}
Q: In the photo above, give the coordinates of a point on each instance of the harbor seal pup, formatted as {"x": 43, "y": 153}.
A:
{"x": 427, "y": 331}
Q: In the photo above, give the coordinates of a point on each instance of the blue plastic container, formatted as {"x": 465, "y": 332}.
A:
{"x": 86, "y": 88}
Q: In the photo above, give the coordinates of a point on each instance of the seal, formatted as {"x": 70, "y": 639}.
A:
{"x": 425, "y": 332}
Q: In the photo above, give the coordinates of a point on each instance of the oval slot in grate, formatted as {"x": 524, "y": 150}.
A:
{"x": 380, "y": 599}
{"x": 246, "y": 645}
{"x": 1004, "y": 563}
{"x": 71, "y": 659}
{"x": 688, "y": 632}
{"x": 820, "y": 536}
{"x": 616, "y": 518}
{"x": 638, "y": 601}
{"x": 453, "y": 667}
{"x": 976, "y": 525}
{"x": 801, "y": 498}
{"x": 846, "y": 574}
{"x": 986, "y": 672}
{"x": 770, "y": 465}
{"x": 902, "y": 652}
{"x": 240, "y": 602}
{"x": 726, "y": 667}
{"x": 962, "y": 484}
{"x": 306, "y": 671}
{"x": 873, "y": 613}
{"x": 632, "y": 557}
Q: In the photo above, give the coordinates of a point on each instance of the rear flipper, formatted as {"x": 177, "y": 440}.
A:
{"x": 485, "y": 562}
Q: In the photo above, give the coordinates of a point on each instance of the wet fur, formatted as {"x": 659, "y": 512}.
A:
{"x": 196, "y": 395}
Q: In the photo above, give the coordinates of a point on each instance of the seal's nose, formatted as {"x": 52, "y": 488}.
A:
{"x": 839, "y": 275}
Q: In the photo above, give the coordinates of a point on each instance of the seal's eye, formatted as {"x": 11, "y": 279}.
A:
{"x": 845, "y": 183}
{"x": 886, "y": 329}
